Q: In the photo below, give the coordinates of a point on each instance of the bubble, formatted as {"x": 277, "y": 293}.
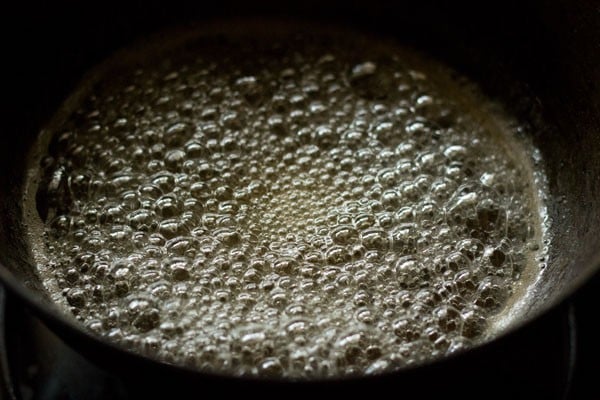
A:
{"x": 474, "y": 322}
{"x": 410, "y": 273}
{"x": 471, "y": 248}
{"x": 271, "y": 367}
{"x": 143, "y": 313}
{"x": 369, "y": 81}
{"x": 374, "y": 239}
{"x": 404, "y": 238}
{"x": 455, "y": 153}
{"x": 344, "y": 234}
{"x": 249, "y": 87}
{"x": 337, "y": 255}
{"x": 448, "y": 318}
{"x": 466, "y": 282}
{"x": 497, "y": 257}
{"x": 378, "y": 367}
{"x": 170, "y": 228}
{"x": 491, "y": 293}
{"x": 76, "y": 298}
{"x": 406, "y": 330}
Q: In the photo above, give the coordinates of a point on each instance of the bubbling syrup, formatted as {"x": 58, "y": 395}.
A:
{"x": 294, "y": 205}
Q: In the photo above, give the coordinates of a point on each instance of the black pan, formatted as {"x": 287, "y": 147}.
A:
{"x": 552, "y": 48}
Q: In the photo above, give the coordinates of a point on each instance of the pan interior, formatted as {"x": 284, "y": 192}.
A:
{"x": 313, "y": 205}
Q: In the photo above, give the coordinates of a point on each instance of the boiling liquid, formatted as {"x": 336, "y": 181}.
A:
{"x": 297, "y": 205}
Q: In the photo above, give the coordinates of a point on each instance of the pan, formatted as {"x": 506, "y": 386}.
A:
{"x": 550, "y": 48}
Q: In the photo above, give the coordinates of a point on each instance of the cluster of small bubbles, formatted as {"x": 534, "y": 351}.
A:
{"x": 298, "y": 207}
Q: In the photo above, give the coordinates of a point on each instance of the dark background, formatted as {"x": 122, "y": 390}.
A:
{"x": 587, "y": 370}
{"x": 47, "y": 46}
